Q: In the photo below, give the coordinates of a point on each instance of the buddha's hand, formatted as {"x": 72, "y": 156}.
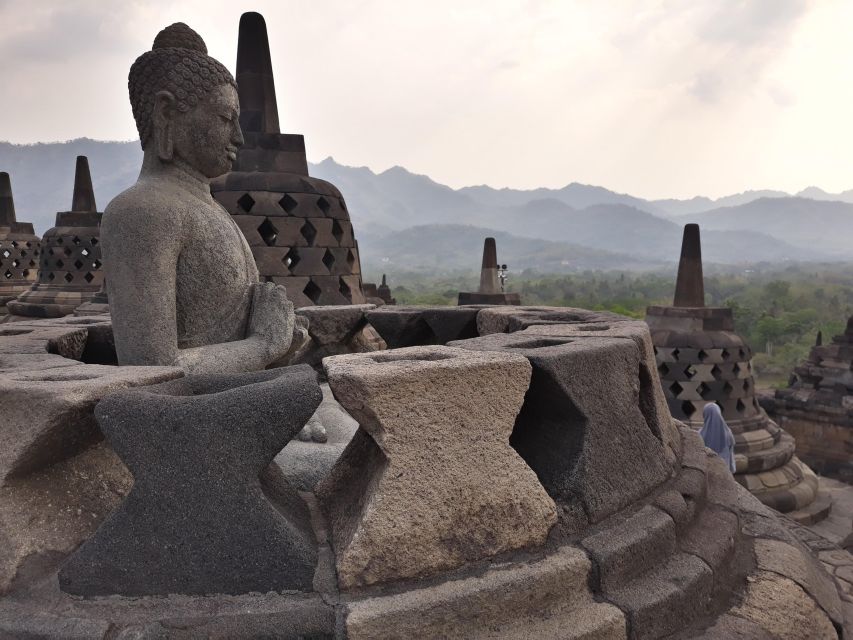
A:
{"x": 272, "y": 319}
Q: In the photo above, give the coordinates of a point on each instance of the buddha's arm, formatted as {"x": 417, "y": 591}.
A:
{"x": 271, "y": 330}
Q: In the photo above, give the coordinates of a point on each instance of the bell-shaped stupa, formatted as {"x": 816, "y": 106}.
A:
{"x": 70, "y": 271}
{"x": 297, "y": 226}
{"x": 701, "y": 360}
{"x": 19, "y": 248}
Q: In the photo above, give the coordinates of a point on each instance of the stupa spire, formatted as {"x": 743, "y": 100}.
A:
{"x": 690, "y": 286}
{"x": 489, "y": 268}
{"x": 255, "y": 84}
{"x": 84, "y": 195}
{"x": 7, "y": 203}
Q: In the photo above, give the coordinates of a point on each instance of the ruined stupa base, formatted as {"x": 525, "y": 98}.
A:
{"x": 696, "y": 555}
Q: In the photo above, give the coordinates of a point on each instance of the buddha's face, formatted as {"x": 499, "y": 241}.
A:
{"x": 207, "y": 136}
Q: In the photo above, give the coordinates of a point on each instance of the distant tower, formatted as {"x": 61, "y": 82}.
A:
{"x": 297, "y": 226}
{"x": 70, "y": 270}
{"x": 701, "y": 359}
{"x": 489, "y": 291}
{"x": 19, "y": 248}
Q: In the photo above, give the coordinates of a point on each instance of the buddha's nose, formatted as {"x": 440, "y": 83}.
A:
{"x": 237, "y": 137}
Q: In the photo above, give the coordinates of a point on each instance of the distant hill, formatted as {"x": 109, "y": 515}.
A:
{"x": 825, "y": 225}
{"x": 543, "y": 228}
{"x": 446, "y": 247}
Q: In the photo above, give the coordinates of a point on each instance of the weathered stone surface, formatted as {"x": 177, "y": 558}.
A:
{"x": 651, "y": 396}
{"x": 430, "y": 470}
{"x": 510, "y": 319}
{"x": 47, "y": 514}
{"x": 403, "y": 326}
{"x": 729, "y": 627}
{"x": 335, "y": 324}
{"x": 48, "y": 412}
{"x": 204, "y": 527}
{"x": 624, "y": 551}
{"x": 546, "y": 599}
{"x": 781, "y": 607}
{"x": 795, "y": 563}
{"x": 589, "y": 443}
{"x": 667, "y": 599}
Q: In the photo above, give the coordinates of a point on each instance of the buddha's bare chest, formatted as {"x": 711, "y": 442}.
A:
{"x": 215, "y": 255}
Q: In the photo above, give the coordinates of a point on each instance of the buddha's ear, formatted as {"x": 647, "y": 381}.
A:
{"x": 165, "y": 110}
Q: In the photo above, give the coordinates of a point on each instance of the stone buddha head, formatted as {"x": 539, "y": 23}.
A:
{"x": 185, "y": 104}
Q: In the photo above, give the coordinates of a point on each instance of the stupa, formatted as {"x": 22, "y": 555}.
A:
{"x": 817, "y": 407}
{"x": 700, "y": 360}
{"x": 490, "y": 291}
{"x": 298, "y": 227}
{"x": 70, "y": 271}
{"x": 19, "y": 248}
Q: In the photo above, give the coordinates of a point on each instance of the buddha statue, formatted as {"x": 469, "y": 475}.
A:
{"x": 182, "y": 281}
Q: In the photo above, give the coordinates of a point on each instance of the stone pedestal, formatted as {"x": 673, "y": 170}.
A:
{"x": 411, "y": 495}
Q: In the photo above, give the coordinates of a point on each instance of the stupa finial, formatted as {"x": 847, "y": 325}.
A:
{"x": 690, "y": 286}
{"x": 255, "y": 84}
{"x": 84, "y": 194}
{"x": 7, "y": 203}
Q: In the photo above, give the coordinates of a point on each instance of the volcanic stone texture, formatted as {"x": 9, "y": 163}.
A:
{"x": 47, "y": 398}
{"x": 429, "y": 482}
{"x": 300, "y": 233}
{"x": 409, "y": 326}
{"x": 590, "y": 444}
{"x": 205, "y": 526}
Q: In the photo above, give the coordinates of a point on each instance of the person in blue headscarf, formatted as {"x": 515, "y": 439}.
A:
{"x": 717, "y": 435}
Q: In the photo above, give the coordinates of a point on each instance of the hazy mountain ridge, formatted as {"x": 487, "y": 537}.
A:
{"x": 586, "y": 223}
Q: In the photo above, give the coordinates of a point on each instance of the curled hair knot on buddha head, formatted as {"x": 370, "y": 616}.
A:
{"x": 177, "y": 63}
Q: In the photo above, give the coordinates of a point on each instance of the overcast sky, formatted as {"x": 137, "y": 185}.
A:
{"x": 656, "y": 98}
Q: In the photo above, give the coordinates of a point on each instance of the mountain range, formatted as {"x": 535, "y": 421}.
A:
{"x": 406, "y": 221}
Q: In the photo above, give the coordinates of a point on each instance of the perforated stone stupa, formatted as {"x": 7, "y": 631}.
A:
{"x": 70, "y": 271}
{"x": 19, "y": 248}
{"x": 700, "y": 360}
{"x": 298, "y": 227}
{"x": 817, "y": 407}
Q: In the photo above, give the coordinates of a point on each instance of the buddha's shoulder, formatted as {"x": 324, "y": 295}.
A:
{"x": 148, "y": 202}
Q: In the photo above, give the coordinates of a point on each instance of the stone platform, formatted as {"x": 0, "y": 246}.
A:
{"x": 688, "y": 554}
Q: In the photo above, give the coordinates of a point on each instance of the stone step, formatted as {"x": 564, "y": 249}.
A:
{"x": 712, "y": 536}
{"x": 503, "y": 602}
{"x": 815, "y": 512}
{"x": 666, "y": 599}
{"x": 766, "y": 459}
{"x": 630, "y": 548}
{"x": 790, "y": 487}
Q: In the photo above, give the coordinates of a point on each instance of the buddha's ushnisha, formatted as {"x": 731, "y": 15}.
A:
{"x": 182, "y": 280}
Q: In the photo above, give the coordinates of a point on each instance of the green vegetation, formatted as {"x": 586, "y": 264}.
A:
{"x": 778, "y": 310}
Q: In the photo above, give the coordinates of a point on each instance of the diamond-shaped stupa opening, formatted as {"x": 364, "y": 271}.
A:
{"x": 312, "y": 292}
{"x": 687, "y": 408}
{"x": 324, "y": 205}
{"x": 88, "y": 277}
{"x": 6, "y": 253}
{"x": 351, "y": 260}
{"x": 8, "y": 274}
{"x": 60, "y": 264}
{"x": 68, "y": 277}
{"x": 704, "y": 390}
{"x": 268, "y": 232}
{"x": 308, "y": 232}
{"x": 246, "y": 202}
{"x": 288, "y": 203}
{"x": 676, "y": 388}
{"x": 329, "y": 260}
{"x": 291, "y": 258}
{"x": 78, "y": 264}
{"x": 345, "y": 290}
{"x": 663, "y": 369}
{"x": 337, "y": 231}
